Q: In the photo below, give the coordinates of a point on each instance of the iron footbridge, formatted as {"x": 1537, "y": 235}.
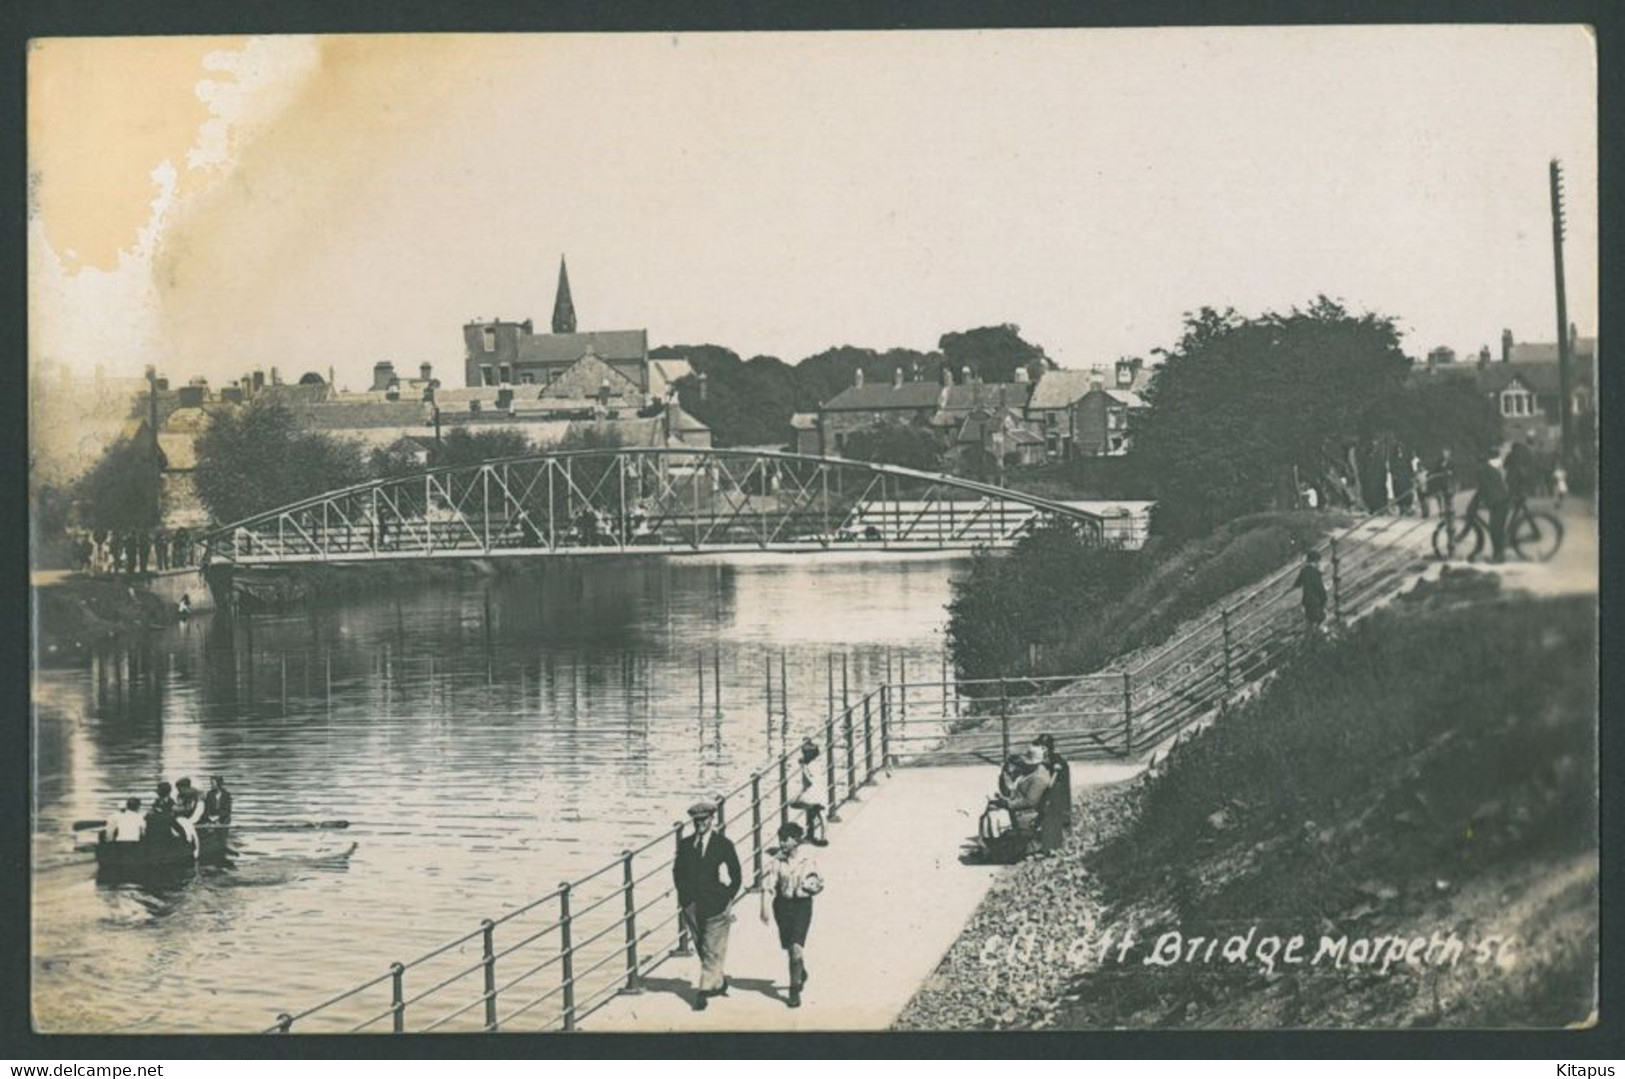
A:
{"x": 648, "y": 500}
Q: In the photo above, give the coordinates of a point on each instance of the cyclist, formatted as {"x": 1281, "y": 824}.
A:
{"x": 1522, "y": 473}
{"x": 1494, "y": 500}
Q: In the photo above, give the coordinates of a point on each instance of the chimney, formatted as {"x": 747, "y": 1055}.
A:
{"x": 857, "y": 377}
{"x": 276, "y": 378}
{"x": 192, "y": 396}
{"x": 1506, "y": 345}
{"x": 1097, "y": 377}
{"x": 425, "y": 371}
{"x": 1022, "y": 377}
{"x": 258, "y": 381}
{"x": 1483, "y": 355}
{"x": 383, "y": 373}
{"x": 897, "y": 377}
{"x": 1127, "y": 369}
{"x": 947, "y": 375}
{"x": 965, "y": 375}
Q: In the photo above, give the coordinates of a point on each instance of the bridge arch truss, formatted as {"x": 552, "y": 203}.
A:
{"x": 644, "y": 500}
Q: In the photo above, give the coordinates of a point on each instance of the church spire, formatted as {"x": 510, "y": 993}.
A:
{"x": 564, "y": 308}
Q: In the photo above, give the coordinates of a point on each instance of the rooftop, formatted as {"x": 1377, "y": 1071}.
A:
{"x": 885, "y": 395}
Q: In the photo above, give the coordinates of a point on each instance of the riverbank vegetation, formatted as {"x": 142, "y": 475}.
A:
{"x": 1433, "y": 773}
{"x": 73, "y": 614}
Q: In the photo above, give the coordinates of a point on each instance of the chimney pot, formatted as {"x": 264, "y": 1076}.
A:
{"x": 897, "y": 377}
{"x": 857, "y": 377}
{"x": 1506, "y": 345}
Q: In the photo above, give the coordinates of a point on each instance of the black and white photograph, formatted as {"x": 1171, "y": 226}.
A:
{"x": 1054, "y": 529}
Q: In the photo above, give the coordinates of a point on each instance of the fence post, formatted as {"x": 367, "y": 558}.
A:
{"x": 868, "y": 740}
{"x": 902, "y": 690}
{"x": 1224, "y": 616}
{"x": 1004, "y": 721}
{"x": 716, "y": 680}
{"x": 632, "y": 978}
{"x": 488, "y": 932}
{"x": 829, "y": 764}
{"x": 851, "y": 756}
{"x": 885, "y": 727}
{"x": 397, "y": 994}
{"x": 1337, "y": 584}
{"x": 567, "y": 950}
{"x": 769, "y": 661}
{"x": 784, "y": 788}
{"x": 1128, "y": 714}
{"x": 756, "y": 825}
{"x": 784, "y": 695}
{"x": 683, "y": 947}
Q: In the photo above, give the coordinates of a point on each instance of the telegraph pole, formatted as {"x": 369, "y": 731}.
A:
{"x": 1565, "y": 406}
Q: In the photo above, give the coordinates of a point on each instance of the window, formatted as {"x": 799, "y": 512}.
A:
{"x": 1515, "y": 402}
{"x": 504, "y": 373}
{"x": 486, "y": 378}
{"x": 488, "y": 338}
{"x": 527, "y": 378}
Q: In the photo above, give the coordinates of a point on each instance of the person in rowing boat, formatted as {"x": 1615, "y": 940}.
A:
{"x": 161, "y": 814}
{"x": 188, "y": 810}
{"x": 217, "y": 803}
{"x": 127, "y": 825}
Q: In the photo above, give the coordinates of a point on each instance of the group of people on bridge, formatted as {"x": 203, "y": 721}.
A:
{"x": 104, "y": 551}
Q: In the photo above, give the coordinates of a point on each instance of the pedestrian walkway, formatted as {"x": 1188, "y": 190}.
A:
{"x": 896, "y": 899}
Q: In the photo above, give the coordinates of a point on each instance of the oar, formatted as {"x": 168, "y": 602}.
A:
{"x": 285, "y": 826}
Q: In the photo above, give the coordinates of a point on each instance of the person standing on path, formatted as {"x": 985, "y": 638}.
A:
{"x": 1314, "y": 590}
{"x": 806, "y": 798}
{"x": 792, "y": 880}
{"x": 1056, "y": 817}
{"x": 706, "y": 873}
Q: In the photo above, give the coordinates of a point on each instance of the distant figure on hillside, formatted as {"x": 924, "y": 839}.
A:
{"x": 1314, "y": 590}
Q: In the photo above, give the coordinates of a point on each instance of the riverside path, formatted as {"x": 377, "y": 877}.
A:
{"x": 896, "y": 898}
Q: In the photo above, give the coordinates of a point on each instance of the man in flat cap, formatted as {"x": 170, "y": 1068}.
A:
{"x": 707, "y": 875}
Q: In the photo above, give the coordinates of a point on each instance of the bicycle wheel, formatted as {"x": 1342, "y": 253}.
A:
{"x": 1458, "y": 537}
{"x": 1536, "y": 536}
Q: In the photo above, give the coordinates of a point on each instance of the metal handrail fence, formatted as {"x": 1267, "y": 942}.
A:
{"x": 600, "y": 948}
{"x": 591, "y": 947}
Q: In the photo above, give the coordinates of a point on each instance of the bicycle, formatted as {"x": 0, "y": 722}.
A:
{"x": 1532, "y": 535}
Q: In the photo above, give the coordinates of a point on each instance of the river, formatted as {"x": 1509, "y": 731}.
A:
{"x": 486, "y": 737}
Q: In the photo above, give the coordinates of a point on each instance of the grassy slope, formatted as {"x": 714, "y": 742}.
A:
{"x": 1181, "y": 582}
{"x": 1434, "y": 771}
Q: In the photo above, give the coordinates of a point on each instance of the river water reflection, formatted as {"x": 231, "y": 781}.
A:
{"x": 487, "y": 738}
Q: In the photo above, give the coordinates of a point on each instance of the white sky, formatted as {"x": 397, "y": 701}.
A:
{"x": 358, "y": 200}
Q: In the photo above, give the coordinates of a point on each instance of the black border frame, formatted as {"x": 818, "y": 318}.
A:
{"x": 23, "y": 19}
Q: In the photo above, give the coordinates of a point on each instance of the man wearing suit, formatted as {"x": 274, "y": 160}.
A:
{"x": 707, "y": 875}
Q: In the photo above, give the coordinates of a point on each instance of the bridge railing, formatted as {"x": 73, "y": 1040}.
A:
{"x": 553, "y": 961}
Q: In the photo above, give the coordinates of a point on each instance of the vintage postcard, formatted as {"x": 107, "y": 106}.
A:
{"x": 847, "y": 531}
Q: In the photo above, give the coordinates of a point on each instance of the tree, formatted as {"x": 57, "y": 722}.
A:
{"x": 993, "y": 353}
{"x": 460, "y": 446}
{"x": 121, "y": 491}
{"x": 258, "y": 458}
{"x": 895, "y": 444}
{"x": 1239, "y": 400}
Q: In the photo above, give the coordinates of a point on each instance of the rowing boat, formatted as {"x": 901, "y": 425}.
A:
{"x": 159, "y": 854}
